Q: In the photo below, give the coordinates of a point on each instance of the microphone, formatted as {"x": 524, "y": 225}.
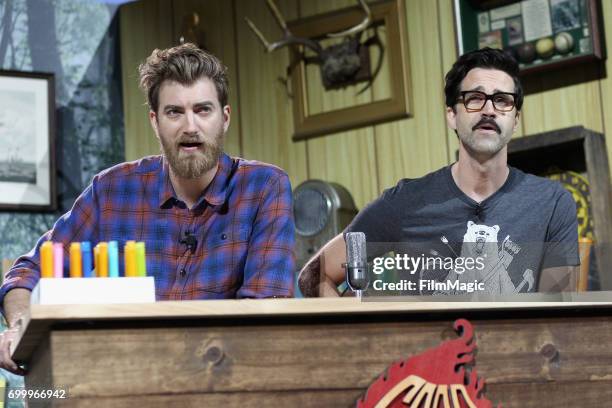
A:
{"x": 356, "y": 262}
{"x": 190, "y": 241}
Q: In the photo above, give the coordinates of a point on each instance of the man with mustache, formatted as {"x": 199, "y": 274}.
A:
{"x": 214, "y": 226}
{"x": 514, "y": 223}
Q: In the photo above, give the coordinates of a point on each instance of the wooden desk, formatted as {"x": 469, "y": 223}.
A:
{"x": 310, "y": 352}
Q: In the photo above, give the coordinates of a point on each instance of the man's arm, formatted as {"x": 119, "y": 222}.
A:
{"x": 16, "y": 307}
{"x": 559, "y": 279}
{"x": 561, "y": 264}
{"x": 270, "y": 265}
{"x": 324, "y": 272}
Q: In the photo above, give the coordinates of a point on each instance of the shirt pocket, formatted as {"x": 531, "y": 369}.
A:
{"x": 228, "y": 238}
{"x": 224, "y": 260}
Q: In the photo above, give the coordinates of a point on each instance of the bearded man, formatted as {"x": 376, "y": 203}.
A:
{"x": 214, "y": 226}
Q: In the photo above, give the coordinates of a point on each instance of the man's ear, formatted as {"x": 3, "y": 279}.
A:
{"x": 516, "y": 120}
{"x": 226, "y": 117}
{"x": 153, "y": 121}
{"x": 451, "y": 118}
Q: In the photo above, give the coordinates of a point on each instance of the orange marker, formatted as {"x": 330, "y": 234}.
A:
{"x": 46, "y": 260}
{"x": 76, "y": 267}
{"x": 102, "y": 260}
{"x": 131, "y": 265}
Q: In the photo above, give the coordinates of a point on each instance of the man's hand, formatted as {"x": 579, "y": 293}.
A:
{"x": 16, "y": 308}
{"x": 7, "y": 338}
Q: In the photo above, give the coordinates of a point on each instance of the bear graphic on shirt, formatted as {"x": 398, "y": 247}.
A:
{"x": 480, "y": 242}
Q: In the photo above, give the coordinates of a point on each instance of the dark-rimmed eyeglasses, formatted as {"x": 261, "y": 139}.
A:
{"x": 474, "y": 101}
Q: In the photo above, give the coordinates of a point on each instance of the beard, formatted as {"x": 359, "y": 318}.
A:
{"x": 191, "y": 165}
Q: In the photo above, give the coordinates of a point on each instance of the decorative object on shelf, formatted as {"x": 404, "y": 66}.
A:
{"x": 541, "y": 34}
{"x": 580, "y": 162}
{"x": 341, "y": 64}
{"x": 191, "y": 32}
{"x": 27, "y": 141}
{"x": 334, "y": 42}
{"x": 436, "y": 377}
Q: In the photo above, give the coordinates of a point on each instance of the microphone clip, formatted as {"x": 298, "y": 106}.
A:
{"x": 190, "y": 241}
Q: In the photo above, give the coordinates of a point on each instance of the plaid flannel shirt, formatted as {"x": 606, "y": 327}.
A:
{"x": 243, "y": 224}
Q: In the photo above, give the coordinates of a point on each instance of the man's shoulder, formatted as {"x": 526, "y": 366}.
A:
{"x": 412, "y": 187}
{"x": 141, "y": 167}
{"x": 540, "y": 186}
{"x": 257, "y": 170}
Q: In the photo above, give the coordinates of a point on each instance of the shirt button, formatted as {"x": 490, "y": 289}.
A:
{"x": 183, "y": 272}
{"x": 223, "y": 236}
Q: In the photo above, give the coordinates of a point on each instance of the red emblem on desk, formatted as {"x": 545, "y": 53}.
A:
{"x": 436, "y": 378}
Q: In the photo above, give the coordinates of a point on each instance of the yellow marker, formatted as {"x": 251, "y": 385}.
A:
{"x": 102, "y": 260}
{"x": 130, "y": 259}
{"x": 96, "y": 252}
{"x": 46, "y": 260}
{"x": 76, "y": 264}
{"x": 141, "y": 259}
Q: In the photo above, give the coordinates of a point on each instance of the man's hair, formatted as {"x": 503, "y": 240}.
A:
{"x": 184, "y": 64}
{"x": 484, "y": 58}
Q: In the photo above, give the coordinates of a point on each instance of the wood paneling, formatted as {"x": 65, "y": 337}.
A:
{"x": 274, "y": 359}
{"x": 265, "y": 111}
{"x": 144, "y": 26}
{"x": 364, "y": 160}
{"x": 415, "y": 146}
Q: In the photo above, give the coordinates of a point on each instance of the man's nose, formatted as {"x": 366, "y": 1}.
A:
{"x": 190, "y": 122}
{"x": 488, "y": 108}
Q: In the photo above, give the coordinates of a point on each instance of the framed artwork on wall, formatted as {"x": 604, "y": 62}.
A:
{"x": 27, "y": 141}
{"x": 541, "y": 34}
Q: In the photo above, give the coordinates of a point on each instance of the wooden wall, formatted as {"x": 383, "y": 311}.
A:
{"x": 365, "y": 160}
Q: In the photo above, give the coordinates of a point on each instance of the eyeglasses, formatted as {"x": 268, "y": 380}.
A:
{"x": 474, "y": 101}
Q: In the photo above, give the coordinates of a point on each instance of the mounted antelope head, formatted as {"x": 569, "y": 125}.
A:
{"x": 341, "y": 64}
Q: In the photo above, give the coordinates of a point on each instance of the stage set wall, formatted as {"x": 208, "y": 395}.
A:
{"x": 365, "y": 160}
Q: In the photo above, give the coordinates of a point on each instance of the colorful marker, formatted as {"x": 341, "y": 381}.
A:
{"x": 113, "y": 259}
{"x": 130, "y": 259}
{"x": 76, "y": 270}
{"x": 102, "y": 260}
{"x": 46, "y": 260}
{"x": 58, "y": 260}
{"x": 141, "y": 259}
{"x": 86, "y": 259}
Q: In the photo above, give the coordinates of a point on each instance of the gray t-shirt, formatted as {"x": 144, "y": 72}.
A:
{"x": 527, "y": 225}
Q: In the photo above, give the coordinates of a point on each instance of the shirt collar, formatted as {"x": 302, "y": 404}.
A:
{"x": 216, "y": 192}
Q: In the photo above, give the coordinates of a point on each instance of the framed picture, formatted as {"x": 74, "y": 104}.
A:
{"x": 540, "y": 34}
{"x": 27, "y": 141}
{"x": 392, "y": 101}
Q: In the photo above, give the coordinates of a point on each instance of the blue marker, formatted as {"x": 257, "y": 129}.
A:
{"x": 86, "y": 259}
{"x": 113, "y": 259}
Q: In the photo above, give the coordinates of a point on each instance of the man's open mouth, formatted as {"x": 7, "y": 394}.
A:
{"x": 487, "y": 126}
{"x": 190, "y": 145}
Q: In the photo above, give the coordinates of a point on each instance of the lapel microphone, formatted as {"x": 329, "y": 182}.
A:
{"x": 190, "y": 241}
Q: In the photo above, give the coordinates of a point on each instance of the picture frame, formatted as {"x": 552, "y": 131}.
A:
{"x": 542, "y": 35}
{"x": 27, "y": 141}
{"x": 389, "y": 13}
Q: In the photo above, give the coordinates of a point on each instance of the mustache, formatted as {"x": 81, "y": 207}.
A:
{"x": 487, "y": 121}
{"x": 191, "y": 139}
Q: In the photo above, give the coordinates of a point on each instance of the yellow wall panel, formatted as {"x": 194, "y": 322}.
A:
{"x": 265, "y": 107}
{"x": 144, "y": 26}
{"x": 415, "y": 146}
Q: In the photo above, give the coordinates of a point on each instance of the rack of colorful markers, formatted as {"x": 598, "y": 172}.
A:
{"x": 104, "y": 262}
